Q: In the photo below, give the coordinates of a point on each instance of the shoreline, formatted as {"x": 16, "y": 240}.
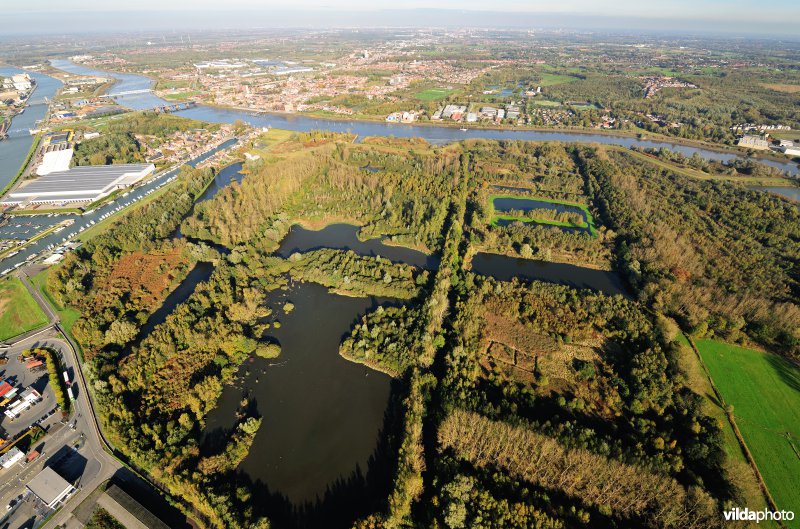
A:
{"x": 641, "y": 135}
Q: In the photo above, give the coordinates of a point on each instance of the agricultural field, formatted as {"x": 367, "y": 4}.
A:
{"x": 764, "y": 390}
{"x": 786, "y": 88}
{"x": 19, "y": 312}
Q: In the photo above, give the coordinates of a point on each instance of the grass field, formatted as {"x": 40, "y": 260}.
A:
{"x": 764, "y": 390}
{"x": 19, "y": 312}
{"x": 179, "y": 96}
{"x": 552, "y": 79}
{"x": 432, "y": 94}
{"x": 543, "y": 103}
{"x": 735, "y": 462}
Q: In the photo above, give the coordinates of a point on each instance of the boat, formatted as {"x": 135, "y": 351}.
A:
{"x": 463, "y": 130}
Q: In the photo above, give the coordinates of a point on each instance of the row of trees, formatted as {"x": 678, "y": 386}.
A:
{"x": 611, "y": 486}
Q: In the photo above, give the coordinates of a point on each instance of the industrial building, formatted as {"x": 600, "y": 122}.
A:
{"x": 79, "y": 184}
{"x": 55, "y": 161}
{"x": 49, "y": 487}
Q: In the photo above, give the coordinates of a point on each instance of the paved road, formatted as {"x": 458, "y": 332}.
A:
{"x": 92, "y": 449}
{"x": 100, "y": 466}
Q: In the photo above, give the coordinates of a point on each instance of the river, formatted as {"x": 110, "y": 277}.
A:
{"x": 433, "y": 134}
{"x": 14, "y": 149}
{"x": 439, "y": 135}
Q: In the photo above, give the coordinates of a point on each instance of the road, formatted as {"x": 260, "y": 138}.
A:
{"x": 100, "y": 466}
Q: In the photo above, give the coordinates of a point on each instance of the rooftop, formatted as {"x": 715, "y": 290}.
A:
{"x": 49, "y": 486}
{"x": 82, "y": 183}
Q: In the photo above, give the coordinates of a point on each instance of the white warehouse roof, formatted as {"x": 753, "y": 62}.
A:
{"x": 54, "y": 161}
{"x": 80, "y": 184}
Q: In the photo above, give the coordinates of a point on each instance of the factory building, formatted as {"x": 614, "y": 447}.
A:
{"x": 79, "y": 184}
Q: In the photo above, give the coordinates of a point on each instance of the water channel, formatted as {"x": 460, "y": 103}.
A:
{"x": 505, "y": 268}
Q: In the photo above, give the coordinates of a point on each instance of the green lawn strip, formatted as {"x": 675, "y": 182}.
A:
{"x": 63, "y": 211}
{"x": 764, "y": 390}
{"x": 582, "y": 207}
{"x": 19, "y": 312}
{"x": 67, "y": 315}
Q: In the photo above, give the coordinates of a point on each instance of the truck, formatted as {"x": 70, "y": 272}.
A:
{"x": 66, "y": 378}
{"x": 71, "y": 394}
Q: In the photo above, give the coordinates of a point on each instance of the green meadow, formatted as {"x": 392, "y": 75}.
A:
{"x": 764, "y": 390}
{"x": 19, "y": 312}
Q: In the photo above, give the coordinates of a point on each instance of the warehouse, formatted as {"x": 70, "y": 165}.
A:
{"x": 79, "y": 184}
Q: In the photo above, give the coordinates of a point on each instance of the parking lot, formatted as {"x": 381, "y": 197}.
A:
{"x": 16, "y": 374}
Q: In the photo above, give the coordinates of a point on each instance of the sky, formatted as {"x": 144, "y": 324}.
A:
{"x": 778, "y": 17}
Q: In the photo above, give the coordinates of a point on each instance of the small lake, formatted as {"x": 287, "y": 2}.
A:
{"x": 344, "y": 237}
{"x": 322, "y": 415}
{"x": 505, "y": 268}
{"x": 504, "y": 204}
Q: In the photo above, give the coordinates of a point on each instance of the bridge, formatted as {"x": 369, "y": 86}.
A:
{"x": 173, "y": 107}
{"x": 131, "y": 92}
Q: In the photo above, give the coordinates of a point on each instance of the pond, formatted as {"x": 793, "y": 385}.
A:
{"x": 505, "y": 268}
{"x": 322, "y": 415}
{"x": 503, "y": 204}
{"x": 344, "y": 237}
{"x": 200, "y": 273}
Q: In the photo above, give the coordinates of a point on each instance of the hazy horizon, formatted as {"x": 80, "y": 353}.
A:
{"x": 699, "y": 17}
